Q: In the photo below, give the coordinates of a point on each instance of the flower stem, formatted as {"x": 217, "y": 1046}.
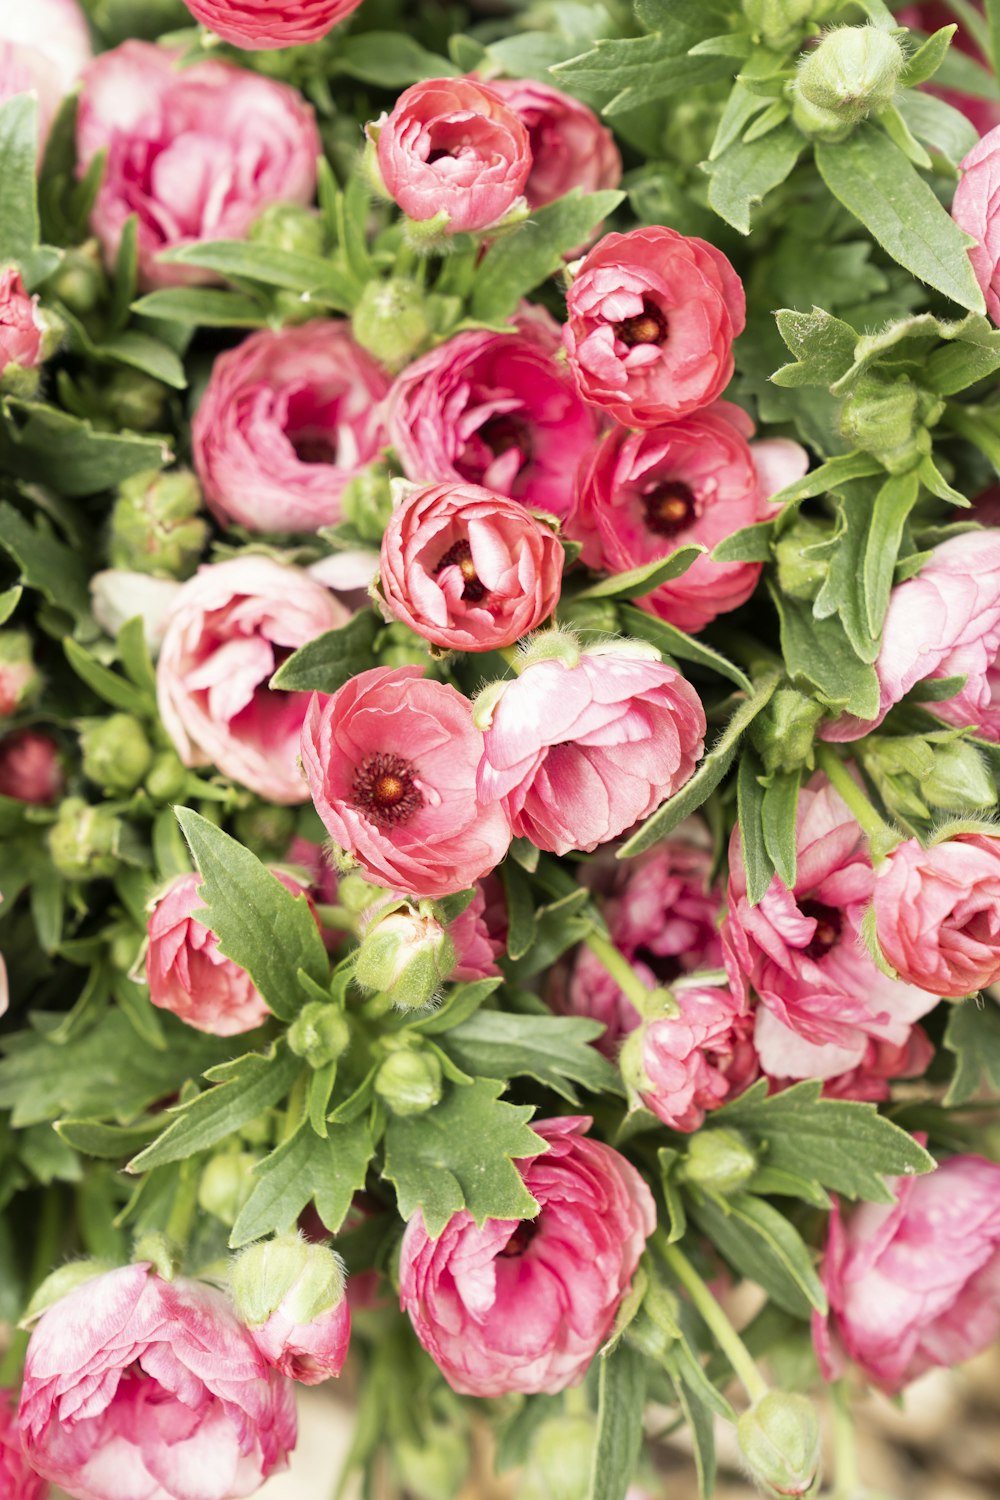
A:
{"x": 48, "y": 1233}
{"x": 184, "y": 1206}
{"x": 715, "y": 1320}
{"x": 874, "y": 825}
{"x": 847, "y": 1482}
{"x": 614, "y": 962}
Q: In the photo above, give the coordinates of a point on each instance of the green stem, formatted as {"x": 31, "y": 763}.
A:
{"x": 847, "y": 1477}
{"x": 47, "y": 1236}
{"x": 296, "y": 1108}
{"x": 185, "y": 1205}
{"x": 632, "y": 985}
{"x": 842, "y": 781}
{"x": 715, "y": 1320}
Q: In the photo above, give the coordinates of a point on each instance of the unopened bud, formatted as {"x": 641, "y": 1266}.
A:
{"x": 167, "y": 777}
{"x": 30, "y": 767}
{"x": 287, "y": 226}
{"x": 320, "y": 1033}
{"x": 853, "y": 72}
{"x": 156, "y": 525}
{"x": 116, "y": 753}
{"x": 135, "y": 401}
{"x": 356, "y": 894}
{"x": 399, "y": 646}
{"x": 436, "y": 1467}
{"x": 780, "y": 1440}
{"x": 84, "y": 841}
{"x": 783, "y": 735}
{"x": 392, "y": 321}
{"x": 226, "y": 1184}
{"x": 719, "y": 1161}
{"x": 410, "y": 1082}
{"x": 960, "y": 780}
{"x": 800, "y": 553}
{"x": 779, "y": 24}
{"x": 290, "y": 1293}
{"x": 367, "y": 502}
{"x": 559, "y": 1462}
{"x": 20, "y": 683}
{"x": 407, "y": 957}
{"x": 80, "y": 282}
{"x": 889, "y": 419}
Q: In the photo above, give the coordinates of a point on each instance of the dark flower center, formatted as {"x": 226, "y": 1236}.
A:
{"x": 669, "y": 508}
{"x": 460, "y": 556}
{"x": 520, "y": 1239}
{"x": 829, "y": 922}
{"x": 501, "y": 434}
{"x": 647, "y": 327}
{"x": 313, "y": 447}
{"x": 436, "y": 155}
{"x": 385, "y": 790}
{"x": 664, "y": 966}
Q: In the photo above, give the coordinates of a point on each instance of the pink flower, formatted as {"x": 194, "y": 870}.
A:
{"x": 974, "y": 209}
{"x": 802, "y": 952}
{"x": 197, "y": 152}
{"x": 307, "y": 1352}
{"x": 525, "y": 1305}
{"x": 915, "y": 1283}
{"x": 495, "y": 409}
{"x": 579, "y": 753}
{"x": 228, "y": 631}
{"x": 684, "y": 1066}
{"x": 186, "y": 972}
{"x": 287, "y": 418}
{"x": 467, "y": 569}
{"x": 480, "y": 933}
{"x": 937, "y": 913}
{"x": 260, "y": 26}
{"x": 651, "y": 320}
{"x": 136, "y": 1386}
{"x": 44, "y": 47}
{"x": 642, "y": 495}
{"x": 391, "y": 762}
{"x": 452, "y": 146}
{"x": 17, "y": 1480}
{"x": 20, "y": 324}
{"x": 882, "y": 1063}
{"x": 570, "y": 148}
{"x": 30, "y": 768}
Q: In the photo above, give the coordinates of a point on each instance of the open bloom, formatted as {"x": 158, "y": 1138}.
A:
{"x": 287, "y": 418}
{"x": 525, "y": 1305}
{"x": 570, "y": 148}
{"x": 20, "y": 324}
{"x": 44, "y": 47}
{"x": 974, "y": 209}
{"x": 651, "y": 319}
{"x": 682, "y": 1066}
{"x": 262, "y": 24}
{"x": 391, "y": 762}
{"x": 17, "y": 1480}
{"x": 228, "y": 631}
{"x": 870, "y": 1082}
{"x": 196, "y": 152}
{"x": 138, "y": 1386}
{"x": 937, "y": 913}
{"x": 915, "y": 1283}
{"x": 642, "y": 495}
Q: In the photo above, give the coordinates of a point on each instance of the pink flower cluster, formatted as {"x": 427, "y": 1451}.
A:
{"x": 261, "y": 24}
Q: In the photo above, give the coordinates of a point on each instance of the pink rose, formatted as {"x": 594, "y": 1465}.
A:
{"x": 915, "y": 1283}
{"x": 452, "y": 146}
{"x": 30, "y": 768}
{"x": 136, "y": 1386}
{"x": 197, "y": 152}
{"x": 391, "y": 762}
{"x": 17, "y": 1480}
{"x": 682, "y": 1067}
{"x": 801, "y": 951}
{"x": 570, "y": 148}
{"x": 937, "y": 913}
{"x": 264, "y": 24}
{"x": 651, "y": 320}
{"x": 467, "y": 569}
{"x": 20, "y": 325}
{"x": 228, "y": 630}
{"x": 44, "y": 47}
{"x": 496, "y": 409}
{"x": 579, "y": 753}
{"x": 480, "y": 933}
{"x": 974, "y": 209}
{"x": 287, "y": 418}
{"x": 642, "y": 495}
{"x": 525, "y": 1305}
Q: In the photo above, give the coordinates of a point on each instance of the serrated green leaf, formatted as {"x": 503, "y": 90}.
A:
{"x": 819, "y": 656}
{"x": 757, "y": 862}
{"x": 46, "y": 564}
{"x": 304, "y": 1169}
{"x": 824, "y": 347}
{"x": 973, "y": 1035}
{"x": 762, "y": 1245}
{"x": 747, "y": 171}
{"x": 523, "y": 259}
{"x": 325, "y": 664}
{"x": 674, "y": 642}
{"x": 749, "y": 544}
{"x": 621, "y": 1402}
{"x": 557, "y": 1051}
{"x": 50, "y": 447}
{"x": 638, "y": 582}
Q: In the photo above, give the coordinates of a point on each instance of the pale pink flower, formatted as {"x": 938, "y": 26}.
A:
{"x": 17, "y": 1480}
{"x": 681, "y": 1067}
{"x": 20, "y": 325}
{"x": 44, "y": 47}
{"x": 570, "y": 148}
{"x": 263, "y": 24}
{"x": 30, "y": 767}
{"x": 974, "y": 209}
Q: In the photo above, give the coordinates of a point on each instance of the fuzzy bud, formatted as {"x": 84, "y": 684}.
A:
{"x": 288, "y": 226}
{"x": 226, "y": 1184}
{"x": 391, "y": 321}
{"x": 436, "y": 1467}
{"x": 84, "y": 841}
{"x": 290, "y": 1293}
{"x": 918, "y": 775}
{"x": 409, "y": 1082}
{"x": 779, "y": 24}
{"x": 267, "y": 830}
{"x": 407, "y": 957}
{"x": 136, "y": 401}
{"x": 800, "y": 553}
{"x": 852, "y": 73}
{"x": 367, "y": 502}
{"x": 719, "y": 1161}
{"x": 20, "y": 683}
{"x": 559, "y": 1463}
{"x": 116, "y": 753}
{"x": 80, "y": 282}
{"x": 319, "y": 1034}
{"x": 889, "y": 419}
{"x": 780, "y": 1440}
{"x": 783, "y": 735}
{"x": 156, "y": 526}
{"x": 167, "y": 778}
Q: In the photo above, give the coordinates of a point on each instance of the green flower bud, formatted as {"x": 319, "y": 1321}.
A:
{"x": 407, "y": 957}
{"x": 167, "y": 777}
{"x": 116, "y": 753}
{"x": 780, "y": 1440}
{"x": 392, "y": 321}
{"x": 366, "y": 502}
{"x": 156, "y": 526}
{"x": 409, "y": 1082}
{"x": 356, "y": 894}
{"x": 802, "y": 566}
{"x": 80, "y": 282}
{"x": 818, "y": 124}
{"x": 226, "y": 1184}
{"x": 779, "y": 24}
{"x": 320, "y": 1033}
{"x": 84, "y": 841}
{"x": 287, "y": 226}
{"x": 305, "y": 1280}
{"x": 719, "y": 1161}
{"x": 916, "y": 775}
{"x": 960, "y": 780}
{"x": 135, "y": 401}
{"x": 889, "y": 419}
{"x": 854, "y": 71}
{"x": 20, "y": 683}
{"x": 266, "y": 830}
{"x": 784, "y": 733}
{"x": 125, "y": 946}
{"x": 435, "y": 1469}
{"x": 399, "y": 646}
{"x": 558, "y": 1466}
{"x": 599, "y": 616}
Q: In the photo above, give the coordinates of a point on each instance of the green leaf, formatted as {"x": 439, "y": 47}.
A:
{"x": 19, "y": 229}
{"x": 461, "y": 1155}
{"x": 260, "y": 925}
{"x": 45, "y": 563}
{"x": 641, "y": 70}
{"x": 873, "y": 179}
{"x": 830, "y": 476}
{"x": 9, "y": 600}
{"x": 819, "y": 656}
{"x": 757, "y": 861}
{"x": 520, "y": 909}
{"x": 893, "y": 504}
{"x": 302, "y": 1169}
{"x": 638, "y": 582}
{"x": 203, "y": 307}
{"x": 701, "y": 1424}
{"x": 524, "y": 258}
{"x": 673, "y": 642}
{"x": 957, "y": 365}
{"x": 778, "y": 815}
{"x": 324, "y": 281}
{"x": 992, "y": 9}
{"x": 749, "y": 544}
{"x": 763, "y": 1246}
{"x": 107, "y": 684}
{"x": 938, "y": 125}
{"x": 107, "y": 1142}
{"x": 823, "y": 345}
{"x": 557, "y": 1051}
{"x": 973, "y": 1035}
{"x": 389, "y": 59}
{"x": 843, "y": 591}
{"x": 621, "y": 1403}
{"x": 748, "y": 170}
{"x": 325, "y": 664}
{"x": 924, "y": 63}
{"x": 50, "y": 447}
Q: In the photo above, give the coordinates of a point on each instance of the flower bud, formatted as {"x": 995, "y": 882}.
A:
{"x": 226, "y": 1184}
{"x": 889, "y": 419}
{"x": 780, "y": 1440}
{"x": 156, "y": 526}
{"x": 287, "y": 226}
{"x": 802, "y": 565}
{"x": 268, "y": 831}
{"x": 367, "y": 502}
{"x": 320, "y": 1033}
{"x": 135, "y": 401}
{"x": 854, "y": 71}
{"x": 290, "y": 1293}
{"x": 30, "y": 767}
{"x": 818, "y": 124}
{"x": 594, "y": 616}
{"x": 960, "y": 780}
{"x": 116, "y": 753}
{"x": 392, "y": 321}
{"x": 719, "y": 1161}
{"x": 80, "y": 282}
{"x": 407, "y": 957}
{"x": 779, "y": 24}
{"x": 917, "y": 774}
{"x": 410, "y": 1082}
{"x": 356, "y": 894}
{"x": 399, "y": 646}
{"x": 435, "y": 1468}
{"x": 783, "y": 734}
{"x": 20, "y": 683}
{"x": 167, "y": 777}
{"x": 558, "y": 1466}
{"x": 84, "y": 841}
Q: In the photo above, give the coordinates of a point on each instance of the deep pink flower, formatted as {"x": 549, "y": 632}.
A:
{"x": 135, "y": 1386}
{"x": 525, "y": 1305}
{"x": 580, "y": 753}
{"x": 391, "y": 762}
{"x": 263, "y": 24}
{"x": 681, "y": 1067}
{"x": 30, "y": 768}
{"x": 452, "y": 146}
{"x": 20, "y": 325}
{"x": 974, "y": 209}
{"x": 197, "y": 152}
{"x": 651, "y": 320}
{"x": 801, "y": 951}
{"x": 17, "y": 1480}
{"x": 570, "y": 148}
{"x": 916, "y": 1283}
{"x": 44, "y": 47}
{"x": 495, "y": 409}
{"x": 228, "y": 631}
{"x": 479, "y": 933}
{"x": 882, "y": 1063}
{"x": 641, "y": 495}
{"x": 468, "y": 569}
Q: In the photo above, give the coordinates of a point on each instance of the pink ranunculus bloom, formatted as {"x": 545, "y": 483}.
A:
{"x": 197, "y": 152}
{"x": 579, "y": 753}
{"x": 570, "y": 148}
{"x": 480, "y": 933}
{"x": 44, "y": 47}
{"x": 18, "y": 1481}
{"x": 871, "y": 1081}
{"x": 468, "y": 569}
{"x": 287, "y": 418}
{"x": 915, "y": 1283}
{"x": 263, "y": 24}
{"x": 391, "y": 763}
{"x": 684, "y": 1066}
{"x": 801, "y": 951}
{"x": 30, "y": 767}
{"x": 641, "y": 495}
{"x": 308, "y": 1352}
{"x": 137, "y": 1386}
{"x": 452, "y": 146}
{"x": 974, "y": 209}
{"x": 651, "y": 319}
{"x": 20, "y": 325}
{"x": 525, "y": 1305}
{"x": 228, "y": 631}
{"x": 496, "y": 409}
{"x": 937, "y": 913}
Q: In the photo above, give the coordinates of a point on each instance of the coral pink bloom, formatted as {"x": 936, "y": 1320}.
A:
{"x": 480, "y": 933}
{"x": 44, "y": 47}
{"x": 30, "y": 768}
{"x": 287, "y": 418}
{"x": 684, "y": 1066}
{"x": 495, "y": 409}
{"x": 525, "y": 1305}
{"x": 937, "y": 913}
{"x": 263, "y": 24}
{"x": 915, "y": 1283}
{"x": 20, "y": 324}
{"x": 570, "y": 148}
{"x": 642, "y": 495}
{"x": 17, "y": 1480}
{"x": 134, "y": 1386}
{"x": 882, "y": 1063}
{"x": 228, "y": 631}
{"x": 452, "y": 146}
{"x": 196, "y": 152}
{"x": 651, "y": 320}
{"x": 580, "y": 753}
{"x": 974, "y": 209}
{"x": 802, "y": 952}
{"x": 391, "y": 762}
{"x": 468, "y": 569}
{"x": 307, "y": 1350}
